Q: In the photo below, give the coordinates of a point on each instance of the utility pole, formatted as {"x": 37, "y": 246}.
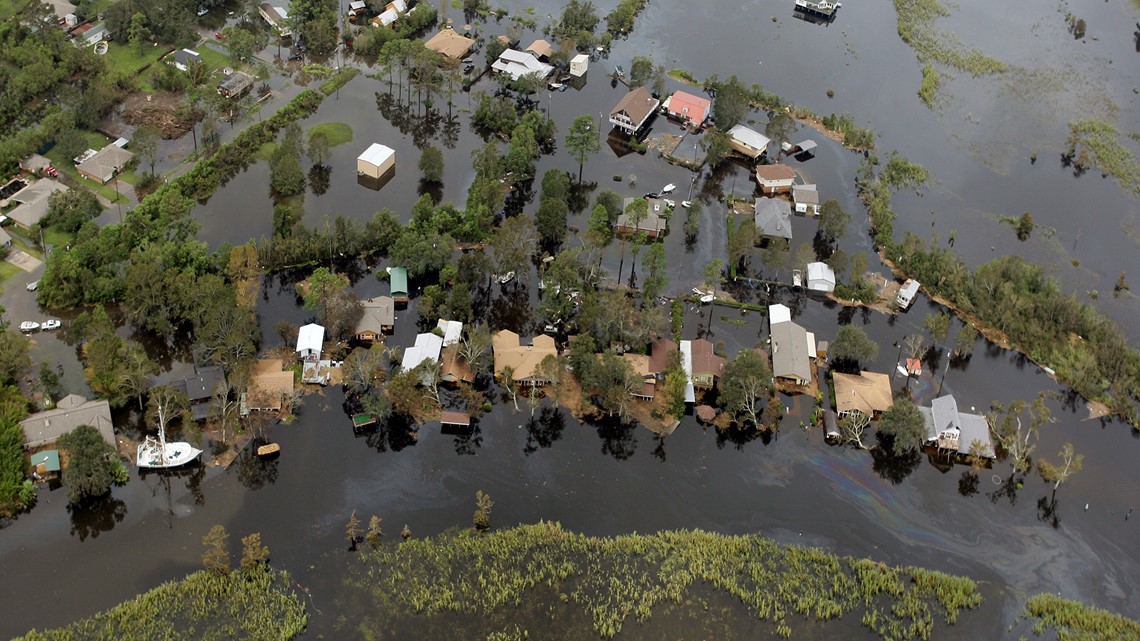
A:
{"x": 117, "y": 203}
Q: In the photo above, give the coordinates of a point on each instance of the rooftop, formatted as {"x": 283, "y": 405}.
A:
{"x": 773, "y": 217}
{"x": 790, "y": 357}
{"x": 524, "y": 359}
{"x": 865, "y": 392}
{"x": 749, "y": 137}
{"x": 775, "y": 172}
{"x": 104, "y": 164}
{"x": 637, "y": 104}
{"x": 449, "y": 43}
{"x": 70, "y": 412}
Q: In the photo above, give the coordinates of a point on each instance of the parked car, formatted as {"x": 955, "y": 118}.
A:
{"x": 50, "y": 324}
{"x": 653, "y": 194}
{"x": 219, "y": 36}
{"x": 33, "y": 286}
{"x": 5, "y": 221}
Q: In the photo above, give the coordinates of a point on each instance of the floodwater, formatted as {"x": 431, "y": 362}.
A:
{"x": 610, "y": 480}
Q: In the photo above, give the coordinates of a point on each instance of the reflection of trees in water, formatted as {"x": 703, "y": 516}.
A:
{"x": 618, "y": 438}
{"x": 467, "y": 439}
{"x": 659, "y": 451}
{"x": 1008, "y": 489}
{"x": 423, "y": 128}
{"x": 968, "y": 484}
{"x": 320, "y": 176}
{"x": 892, "y": 466}
{"x": 256, "y": 472}
{"x": 1047, "y": 510}
{"x": 739, "y": 436}
{"x": 397, "y": 433}
{"x": 512, "y": 310}
{"x": 579, "y": 198}
{"x": 543, "y": 430}
{"x": 433, "y": 189}
{"x": 91, "y": 518}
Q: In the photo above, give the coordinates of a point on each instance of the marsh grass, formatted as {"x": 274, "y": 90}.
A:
{"x": 931, "y": 81}
{"x": 1097, "y": 143}
{"x": 916, "y": 27}
{"x": 541, "y": 575}
{"x": 1079, "y": 622}
{"x": 258, "y": 604}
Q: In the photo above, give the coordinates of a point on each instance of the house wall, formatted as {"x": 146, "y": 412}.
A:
{"x": 365, "y": 168}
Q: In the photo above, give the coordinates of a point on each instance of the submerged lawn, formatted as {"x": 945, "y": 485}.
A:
{"x": 258, "y": 605}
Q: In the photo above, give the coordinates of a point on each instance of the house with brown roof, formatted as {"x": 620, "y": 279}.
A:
{"x": 379, "y": 318}
{"x": 776, "y": 178}
{"x": 652, "y": 225}
{"x": 269, "y": 385}
{"x": 689, "y": 109}
{"x": 642, "y": 365}
{"x": 633, "y": 110}
{"x": 522, "y": 359}
{"x": 453, "y": 367}
{"x": 866, "y": 393}
{"x": 73, "y": 410}
{"x": 541, "y": 49}
{"x": 707, "y": 366}
{"x": 449, "y": 43}
{"x": 660, "y": 351}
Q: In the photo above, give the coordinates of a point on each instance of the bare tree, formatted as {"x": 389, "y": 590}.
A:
{"x": 851, "y": 428}
{"x": 1070, "y": 464}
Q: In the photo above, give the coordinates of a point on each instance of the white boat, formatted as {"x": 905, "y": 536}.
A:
{"x": 669, "y": 203}
{"x": 668, "y": 188}
{"x": 29, "y": 326}
{"x": 708, "y": 298}
{"x": 506, "y": 278}
{"x": 686, "y": 203}
{"x": 157, "y": 453}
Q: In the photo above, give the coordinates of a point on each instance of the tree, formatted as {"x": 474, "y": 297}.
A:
{"x": 582, "y": 141}
{"x": 745, "y": 379}
{"x": 431, "y": 165}
{"x": 717, "y": 146}
{"x": 577, "y": 17}
{"x": 14, "y": 358}
{"x": 833, "y": 221}
{"x": 693, "y": 221}
{"x": 713, "y": 273}
{"x": 851, "y": 428}
{"x": 352, "y": 530}
{"x": 657, "y": 277}
{"x": 364, "y": 368}
{"x": 780, "y": 127}
{"x": 253, "y": 553}
{"x": 139, "y": 32}
{"x": 964, "y": 341}
{"x": 240, "y": 42}
{"x": 374, "y": 533}
{"x": 513, "y": 243}
{"x": 482, "y": 517}
{"x": 640, "y": 71}
{"x": 599, "y": 231}
{"x": 904, "y": 424}
{"x": 507, "y": 382}
{"x": 1024, "y": 226}
{"x": 164, "y": 405}
{"x": 145, "y": 144}
{"x": 731, "y": 103}
{"x": 1070, "y": 464}
{"x": 338, "y": 309}
{"x": 1018, "y": 440}
{"x": 475, "y": 347}
{"x": 70, "y": 209}
{"x": 612, "y": 202}
{"x": 216, "y": 558}
{"x": 852, "y": 344}
{"x": 775, "y": 254}
{"x": 90, "y": 470}
{"x": 550, "y": 221}
{"x": 938, "y": 325}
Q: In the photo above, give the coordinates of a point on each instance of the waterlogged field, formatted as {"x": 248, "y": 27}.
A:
{"x": 545, "y": 581}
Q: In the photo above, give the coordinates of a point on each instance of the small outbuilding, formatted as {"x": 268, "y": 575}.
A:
{"x": 398, "y": 283}
{"x": 907, "y": 293}
{"x": 806, "y": 198}
{"x": 455, "y": 419}
{"x": 579, "y": 65}
{"x": 820, "y": 277}
{"x": 45, "y": 465}
{"x": 375, "y": 161}
{"x": 310, "y": 341}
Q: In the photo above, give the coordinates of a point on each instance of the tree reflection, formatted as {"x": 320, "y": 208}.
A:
{"x": 618, "y": 438}
{"x": 542, "y": 431}
{"x": 396, "y": 433}
{"x": 467, "y": 439}
{"x": 93, "y": 517}
{"x": 890, "y": 465}
{"x": 1047, "y": 510}
{"x": 1008, "y": 489}
{"x": 739, "y": 436}
{"x": 968, "y": 484}
{"x": 659, "y": 451}
{"x": 256, "y": 472}
{"x": 320, "y": 176}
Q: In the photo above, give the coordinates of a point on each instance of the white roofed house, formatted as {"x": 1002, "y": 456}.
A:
{"x": 517, "y": 64}
{"x": 310, "y": 341}
{"x": 954, "y": 432}
{"x": 820, "y": 277}
{"x": 749, "y": 143}
{"x": 452, "y": 331}
{"x": 375, "y": 161}
{"x": 426, "y": 348}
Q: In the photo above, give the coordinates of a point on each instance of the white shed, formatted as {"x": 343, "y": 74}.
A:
{"x": 310, "y": 340}
{"x": 907, "y": 293}
{"x": 452, "y": 331}
{"x": 821, "y": 277}
{"x": 375, "y": 161}
{"x": 579, "y": 64}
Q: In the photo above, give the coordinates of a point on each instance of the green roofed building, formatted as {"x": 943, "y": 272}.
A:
{"x": 398, "y": 278}
{"x": 45, "y": 464}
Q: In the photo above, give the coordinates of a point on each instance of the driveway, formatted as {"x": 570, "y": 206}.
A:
{"x": 24, "y": 260}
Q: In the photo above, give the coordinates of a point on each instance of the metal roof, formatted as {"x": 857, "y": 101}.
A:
{"x": 749, "y": 137}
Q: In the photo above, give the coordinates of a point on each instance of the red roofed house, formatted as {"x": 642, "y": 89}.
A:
{"x": 689, "y": 109}
{"x": 707, "y": 366}
{"x": 775, "y": 178}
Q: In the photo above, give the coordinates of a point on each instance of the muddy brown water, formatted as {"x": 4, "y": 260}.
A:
{"x": 60, "y": 564}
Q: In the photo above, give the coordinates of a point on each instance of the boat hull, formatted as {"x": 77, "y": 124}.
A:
{"x": 178, "y": 453}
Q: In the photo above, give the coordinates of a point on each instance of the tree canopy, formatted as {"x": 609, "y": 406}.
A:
{"x": 90, "y": 471}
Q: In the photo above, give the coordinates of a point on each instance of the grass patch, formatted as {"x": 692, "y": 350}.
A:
{"x": 1074, "y": 620}
{"x": 256, "y": 604}
{"x": 56, "y": 237}
{"x": 265, "y": 152}
{"x": 683, "y": 76}
{"x": 1094, "y": 143}
{"x": 931, "y": 81}
{"x": 916, "y": 27}
{"x": 7, "y": 270}
{"x": 125, "y": 61}
{"x": 337, "y": 133}
{"x": 480, "y": 582}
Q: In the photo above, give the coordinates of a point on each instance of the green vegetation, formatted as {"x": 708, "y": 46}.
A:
{"x": 335, "y": 133}
{"x": 542, "y": 576}
{"x": 1093, "y": 143}
{"x": 853, "y": 135}
{"x": 620, "y": 20}
{"x": 93, "y": 465}
{"x": 916, "y": 27}
{"x": 257, "y": 604}
{"x": 16, "y": 492}
{"x": 931, "y": 81}
{"x": 683, "y": 76}
{"x": 338, "y": 80}
{"x": 1074, "y": 621}
{"x": 1016, "y": 298}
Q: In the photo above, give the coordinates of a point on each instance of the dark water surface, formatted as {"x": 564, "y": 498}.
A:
{"x": 60, "y": 565}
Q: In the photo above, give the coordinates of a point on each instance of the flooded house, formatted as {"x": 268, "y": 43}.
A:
{"x": 653, "y": 224}
{"x": 200, "y": 389}
{"x": 820, "y": 277}
{"x": 792, "y": 347}
{"x": 775, "y": 178}
{"x": 235, "y": 84}
{"x": 540, "y": 49}
{"x": 579, "y": 65}
{"x": 907, "y": 293}
{"x": 73, "y": 410}
{"x": 522, "y": 359}
{"x": 956, "y": 433}
{"x": 269, "y": 385}
{"x": 866, "y": 393}
{"x": 450, "y": 44}
{"x": 517, "y": 64}
{"x": 379, "y": 318}
{"x": 426, "y": 348}
{"x": 642, "y": 365}
{"x": 633, "y": 110}
{"x": 749, "y": 143}
{"x": 806, "y": 198}
{"x": 376, "y": 161}
{"x": 276, "y": 17}
{"x": 773, "y": 218}
{"x": 707, "y": 367}
{"x": 689, "y": 110}
{"x": 310, "y": 343}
